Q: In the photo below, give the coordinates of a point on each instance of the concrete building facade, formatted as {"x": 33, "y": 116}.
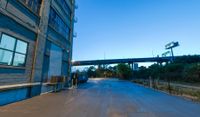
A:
{"x": 36, "y": 38}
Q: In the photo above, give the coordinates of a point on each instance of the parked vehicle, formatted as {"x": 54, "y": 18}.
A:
{"x": 79, "y": 78}
{"x": 82, "y": 79}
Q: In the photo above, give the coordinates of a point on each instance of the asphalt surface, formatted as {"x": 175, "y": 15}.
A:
{"x": 104, "y": 98}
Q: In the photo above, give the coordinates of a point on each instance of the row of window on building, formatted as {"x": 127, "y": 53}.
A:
{"x": 13, "y": 51}
{"x": 34, "y": 5}
{"x": 54, "y": 19}
{"x": 65, "y": 6}
{"x": 58, "y": 24}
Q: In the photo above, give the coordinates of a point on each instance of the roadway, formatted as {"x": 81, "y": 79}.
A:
{"x": 104, "y": 98}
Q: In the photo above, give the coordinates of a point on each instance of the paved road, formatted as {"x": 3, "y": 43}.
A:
{"x": 104, "y": 98}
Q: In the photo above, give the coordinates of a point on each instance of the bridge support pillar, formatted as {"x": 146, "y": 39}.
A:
{"x": 132, "y": 70}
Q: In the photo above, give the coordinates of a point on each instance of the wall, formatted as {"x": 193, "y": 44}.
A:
{"x": 20, "y": 22}
{"x": 13, "y": 96}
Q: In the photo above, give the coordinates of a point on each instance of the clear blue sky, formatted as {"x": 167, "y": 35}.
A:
{"x": 135, "y": 28}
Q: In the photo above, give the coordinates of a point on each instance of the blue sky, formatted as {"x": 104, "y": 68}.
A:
{"x": 135, "y": 28}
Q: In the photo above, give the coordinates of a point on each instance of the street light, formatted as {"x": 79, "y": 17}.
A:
{"x": 171, "y": 46}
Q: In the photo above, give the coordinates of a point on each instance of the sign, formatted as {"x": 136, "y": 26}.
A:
{"x": 171, "y": 45}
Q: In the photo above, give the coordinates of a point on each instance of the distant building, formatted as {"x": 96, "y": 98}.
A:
{"x": 135, "y": 67}
{"x": 35, "y": 44}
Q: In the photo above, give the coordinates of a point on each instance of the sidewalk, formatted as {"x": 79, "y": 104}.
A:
{"x": 47, "y": 105}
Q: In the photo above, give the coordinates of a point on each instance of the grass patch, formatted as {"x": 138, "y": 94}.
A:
{"x": 189, "y": 93}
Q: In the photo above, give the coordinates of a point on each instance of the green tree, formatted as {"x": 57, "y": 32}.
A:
{"x": 142, "y": 73}
{"x": 155, "y": 71}
{"x": 174, "y": 71}
{"x": 188, "y": 59}
{"x": 124, "y": 71}
{"x": 192, "y": 73}
{"x": 91, "y": 72}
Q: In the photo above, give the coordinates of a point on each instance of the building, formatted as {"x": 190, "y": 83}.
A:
{"x": 36, "y": 39}
{"x": 135, "y": 67}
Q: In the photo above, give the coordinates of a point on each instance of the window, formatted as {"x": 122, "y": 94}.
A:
{"x": 12, "y": 51}
{"x": 57, "y": 23}
{"x": 65, "y": 6}
{"x": 34, "y": 5}
{"x": 5, "y": 57}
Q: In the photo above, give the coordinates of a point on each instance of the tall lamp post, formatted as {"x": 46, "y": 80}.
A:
{"x": 170, "y": 46}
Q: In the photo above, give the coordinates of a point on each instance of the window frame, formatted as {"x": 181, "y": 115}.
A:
{"x": 14, "y": 51}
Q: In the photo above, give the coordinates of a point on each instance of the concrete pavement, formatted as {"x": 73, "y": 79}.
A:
{"x": 104, "y": 98}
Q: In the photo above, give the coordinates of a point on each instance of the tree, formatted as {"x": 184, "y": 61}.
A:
{"x": 192, "y": 73}
{"x": 155, "y": 71}
{"x": 124, "y": 71}
{"x": 91, "y": 72}
{"x": 142, "y": 73}
{"x": 188, "y": 59}
{"x": 174, "y": 71}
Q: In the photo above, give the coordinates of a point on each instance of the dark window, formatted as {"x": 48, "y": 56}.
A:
{"x": 65, "y": 6}
{"x": 34, "y": 5}
{"x": 12, "y": 51}
{"x": 57, "y": 23}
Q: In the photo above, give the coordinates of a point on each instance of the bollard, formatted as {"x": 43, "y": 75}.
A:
{"x": 150, "y": 82}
